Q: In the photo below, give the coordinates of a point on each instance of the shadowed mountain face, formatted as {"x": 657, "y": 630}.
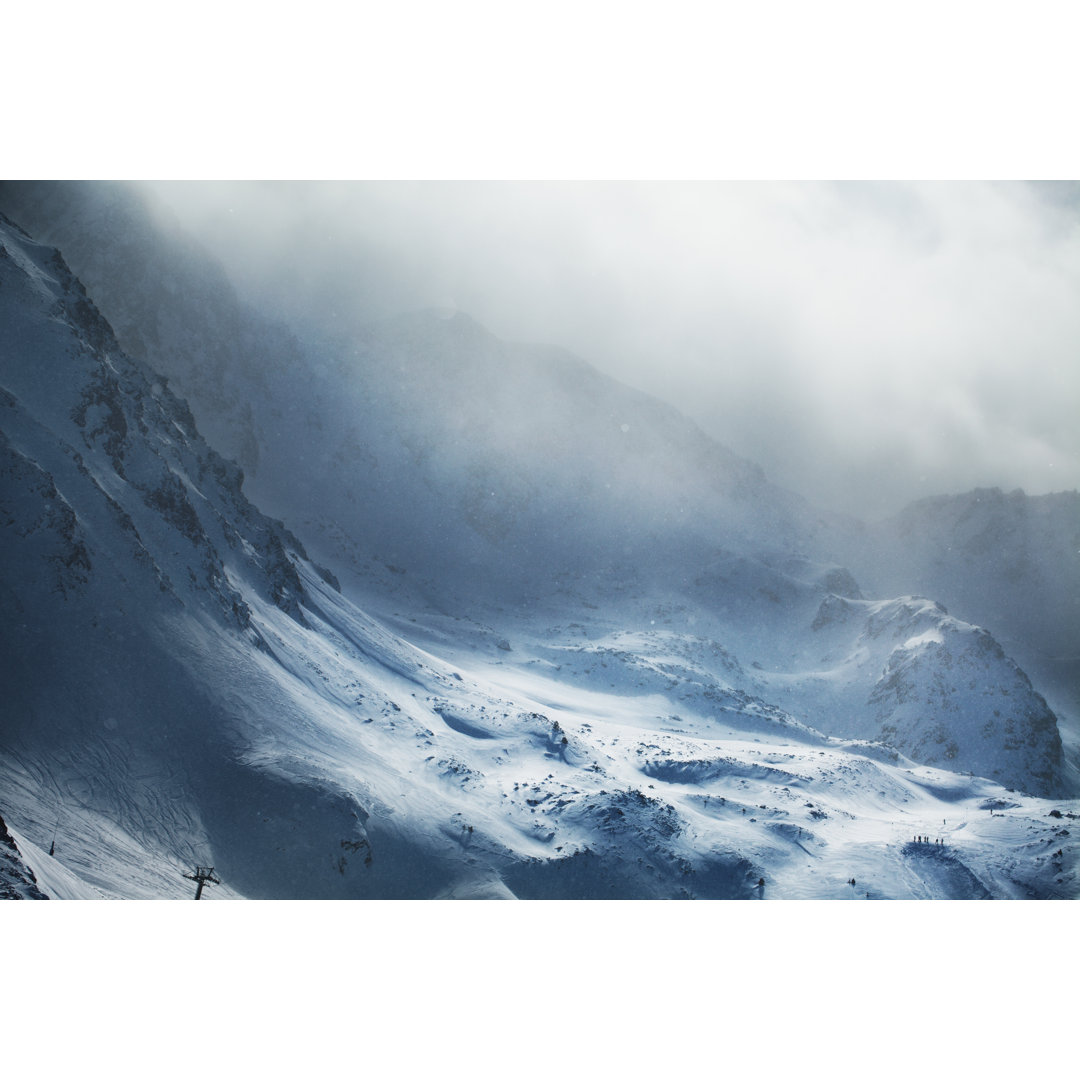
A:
{"x": 165, "y": 298}
{"x": 481, "y": 468}
{"x": 423, "y": 443}
{"x": 127, "y": 546}
{"x": 17, "y": 881}
{"x": 589, "y": 597}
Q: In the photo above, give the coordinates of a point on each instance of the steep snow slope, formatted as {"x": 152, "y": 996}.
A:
{"x": 115, "y": 518}
{"x": 180, "y": 681}
{"x": 167, "y": 300}
{"x": 184, "y": 686}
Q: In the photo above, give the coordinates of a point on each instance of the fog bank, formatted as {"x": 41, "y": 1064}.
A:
{"x": 866, "y": 344}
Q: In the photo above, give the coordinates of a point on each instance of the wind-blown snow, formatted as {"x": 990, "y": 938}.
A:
{"x": 184, "y": 686}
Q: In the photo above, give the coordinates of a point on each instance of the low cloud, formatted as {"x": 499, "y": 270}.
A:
{"x": 865, "y": 343}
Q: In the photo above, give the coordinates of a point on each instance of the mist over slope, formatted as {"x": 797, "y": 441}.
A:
{"x": 602, "y": 638}
{"x": 166, "y": 299}
{"x": 425, "y": 441}
{"x": 430, "y": 446}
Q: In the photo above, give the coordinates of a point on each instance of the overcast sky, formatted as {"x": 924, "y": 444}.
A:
{"x": 867, "y": 344}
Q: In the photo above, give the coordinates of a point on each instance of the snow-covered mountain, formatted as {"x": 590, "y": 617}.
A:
{"x": 427, "y": 445}
{"x": 652, "y": 711}
{"x": 1010, "y": 562}
{"x": 166, "y": 299}
{"x": 435, "y": 455}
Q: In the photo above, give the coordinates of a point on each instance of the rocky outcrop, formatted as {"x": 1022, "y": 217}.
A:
{"x": 17, "y": 881}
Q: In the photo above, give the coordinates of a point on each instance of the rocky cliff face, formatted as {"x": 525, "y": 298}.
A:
{"x": 101, "y": 456}
{"x": 169, "y": 302}
{"x": 17, "y": 880}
